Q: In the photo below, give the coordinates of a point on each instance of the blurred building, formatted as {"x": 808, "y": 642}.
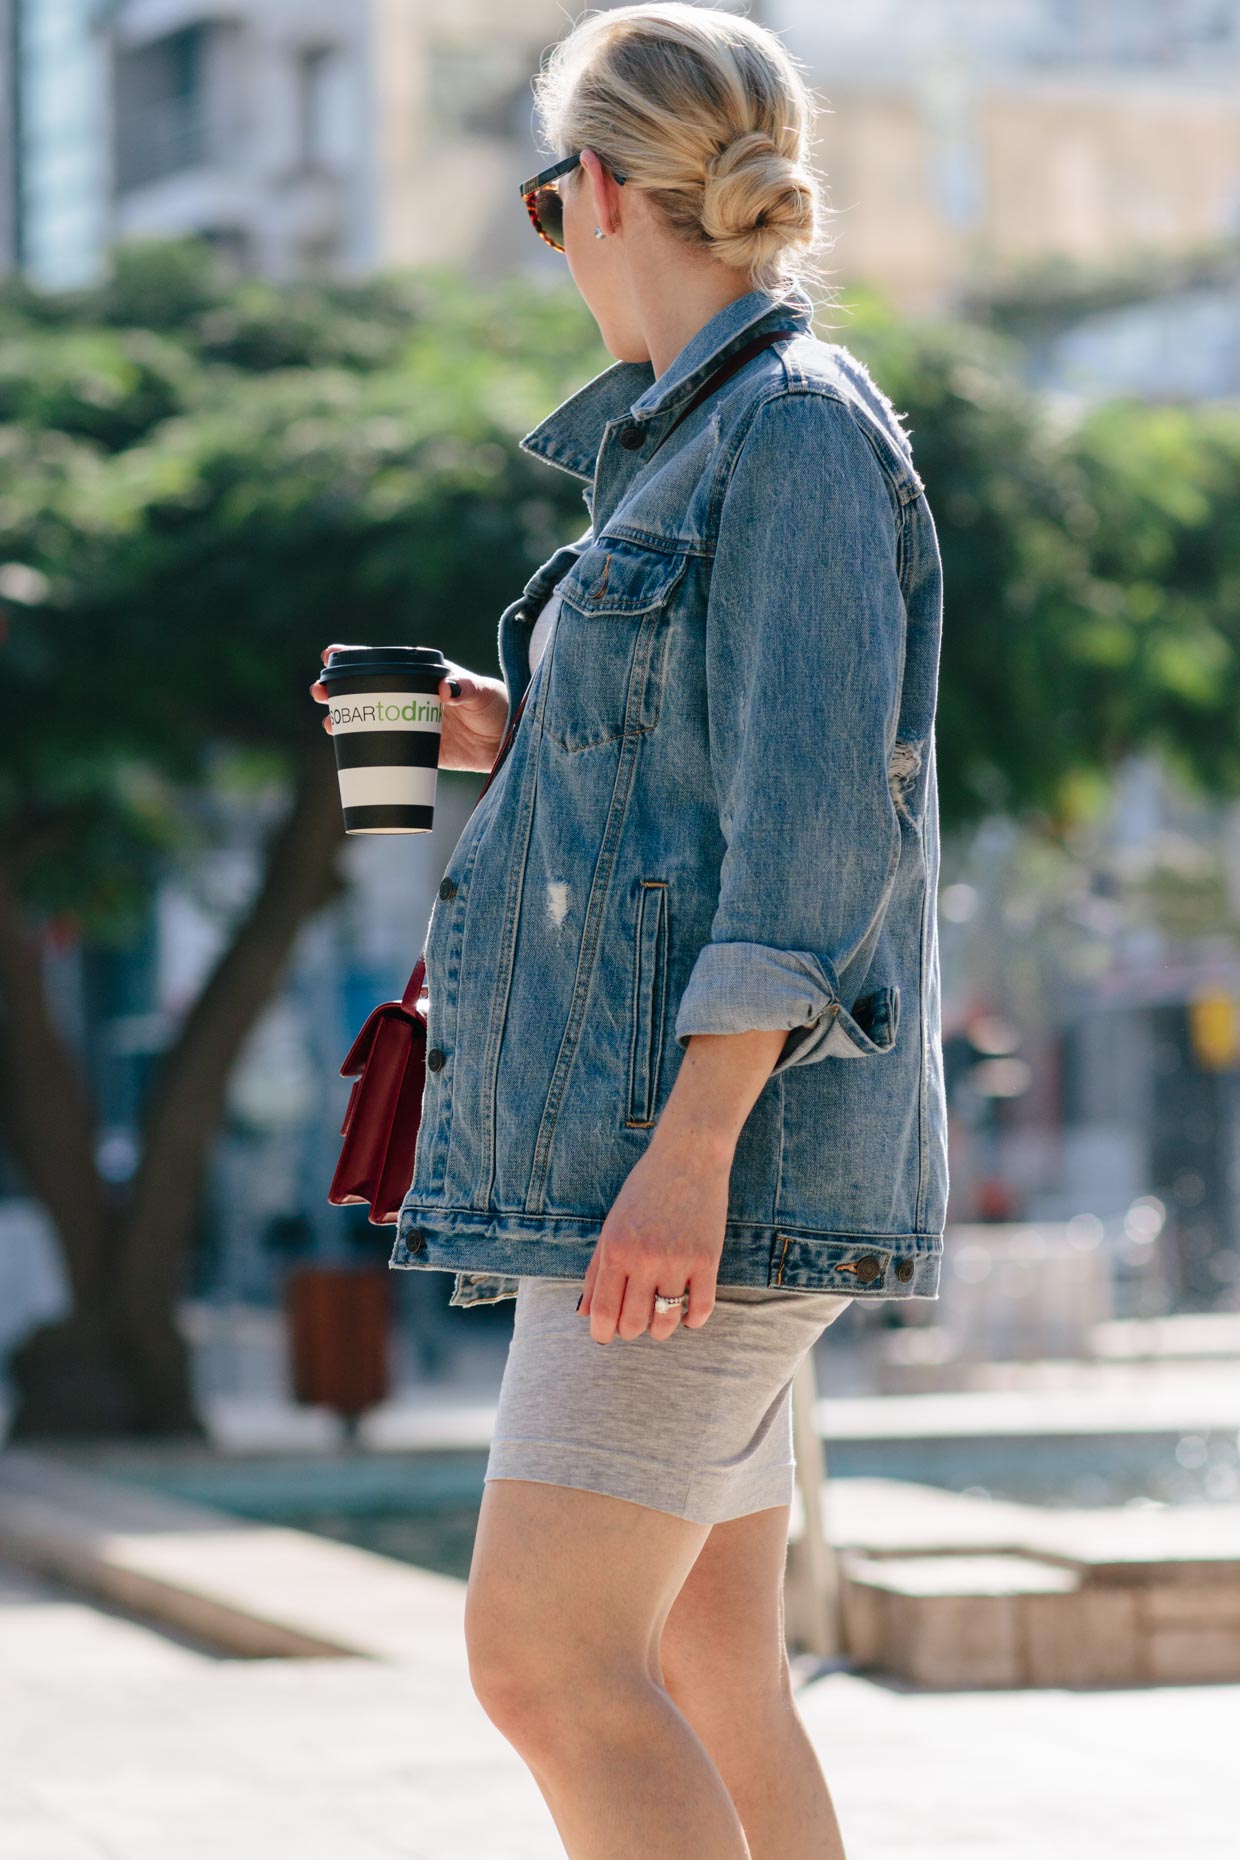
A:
{"x": 975, "y": 139}
{"x": 299, "y": 136}
{"x": 246, "y": 123}
{"x": 57, "y": 142}
{"x": 8, "y": 139}
{"x": 963, "y": 140}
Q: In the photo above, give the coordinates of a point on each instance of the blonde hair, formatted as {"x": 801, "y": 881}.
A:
{"x": 710, "y": 116}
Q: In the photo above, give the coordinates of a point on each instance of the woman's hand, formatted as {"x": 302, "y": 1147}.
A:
{"x": 666, "y": 1228}
{"x": 475, "y": 710}
{"x": 664, "y": 1233}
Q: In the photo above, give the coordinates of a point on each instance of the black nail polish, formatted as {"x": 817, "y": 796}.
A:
{"x": 579, "y": 1301}
{"x": 454, "y": 687}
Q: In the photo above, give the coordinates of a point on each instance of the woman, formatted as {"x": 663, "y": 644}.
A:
{"x": 684, "y": 1091}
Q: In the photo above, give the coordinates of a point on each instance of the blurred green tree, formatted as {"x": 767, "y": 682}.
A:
{"x": 203, "y": 483}
{"x": 1091, "y": 562}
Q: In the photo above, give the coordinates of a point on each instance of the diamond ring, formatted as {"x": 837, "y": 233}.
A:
{"x": 662, "y": 1303}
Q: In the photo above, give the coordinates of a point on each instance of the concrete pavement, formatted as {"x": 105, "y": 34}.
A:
{"x": 124, "y": 1740}
{"x": 123, "y": 1744}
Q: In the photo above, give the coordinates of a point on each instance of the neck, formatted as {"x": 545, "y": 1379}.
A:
{"x": 675, "y": 301}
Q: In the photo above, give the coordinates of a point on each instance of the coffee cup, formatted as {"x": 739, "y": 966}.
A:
{"x": 387, "y": 719}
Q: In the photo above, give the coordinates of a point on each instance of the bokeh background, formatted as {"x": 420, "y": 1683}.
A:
{"x": 272, "y": 320}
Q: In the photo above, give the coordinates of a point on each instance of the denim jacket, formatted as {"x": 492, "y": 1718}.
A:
{"x": 719, "y": 812}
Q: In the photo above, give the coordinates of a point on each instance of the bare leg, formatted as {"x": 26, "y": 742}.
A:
{"x": 569, "y": 1592}
{"x": 725, "y": 1663}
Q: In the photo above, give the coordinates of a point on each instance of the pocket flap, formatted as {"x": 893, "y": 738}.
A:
{"x": 621, "y": 578}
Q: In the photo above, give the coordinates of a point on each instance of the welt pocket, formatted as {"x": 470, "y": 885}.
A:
{"x": 648, "y": 1006}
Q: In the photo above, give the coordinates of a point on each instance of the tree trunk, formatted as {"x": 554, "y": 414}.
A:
{"x": 118, "y": 1364}
{"x": 79, "y": 1378}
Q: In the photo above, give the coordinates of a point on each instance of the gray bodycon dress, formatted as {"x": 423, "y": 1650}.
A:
{"x": 699, "y": 1423}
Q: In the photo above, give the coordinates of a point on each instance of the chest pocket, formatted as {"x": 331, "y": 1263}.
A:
{"x": 608, "y": 649}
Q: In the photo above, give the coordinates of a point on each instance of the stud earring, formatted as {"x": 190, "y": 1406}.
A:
{"x": 599, "y": 233}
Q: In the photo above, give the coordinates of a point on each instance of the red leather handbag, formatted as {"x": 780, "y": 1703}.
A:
{"x": 387, "y": 1062}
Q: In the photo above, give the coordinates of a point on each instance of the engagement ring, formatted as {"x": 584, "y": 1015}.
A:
{"x": 662, "y": 1303}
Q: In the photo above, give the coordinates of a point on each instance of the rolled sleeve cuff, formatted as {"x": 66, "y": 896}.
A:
{"x": 751, "y": 987}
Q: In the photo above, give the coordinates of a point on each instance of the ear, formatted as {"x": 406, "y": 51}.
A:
{"x": 603, "y": 192}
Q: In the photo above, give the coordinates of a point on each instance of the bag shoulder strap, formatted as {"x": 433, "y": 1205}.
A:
{"x": 724, "y": 372}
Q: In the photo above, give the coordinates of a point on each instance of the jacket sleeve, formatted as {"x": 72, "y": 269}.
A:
{"x": 804, "y": 644}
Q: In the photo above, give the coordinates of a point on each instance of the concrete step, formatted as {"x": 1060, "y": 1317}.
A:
{"x": 249, "y": 1589}
{"x": 948, "y": 1590}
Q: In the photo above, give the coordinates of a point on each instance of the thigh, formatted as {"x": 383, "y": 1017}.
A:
{"x": 576, "y": 1571}
{"x": 725, "y": 1628}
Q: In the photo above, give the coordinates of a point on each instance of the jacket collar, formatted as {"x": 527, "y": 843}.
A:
{"x": 570, "y": 437}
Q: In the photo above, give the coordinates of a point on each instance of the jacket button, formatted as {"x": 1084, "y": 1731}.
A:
{"x": 868, "y": 1268}
{"x": 435, "y": 1058}
{"x": 448, "y": 888}
{"x": 904, "y": 1270}
{"x": 632, "y": 438}
{"x": 415, "y": 1240}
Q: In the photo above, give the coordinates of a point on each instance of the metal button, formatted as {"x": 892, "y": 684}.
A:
{"x": 415, "y": 1240}
{"x": 448, "y": 888}
{"x": 868, "y": 1267}
{"x": 904, "y": 1270}
{"x": 435, "y": 1058}
{"x": 632, "y": 438}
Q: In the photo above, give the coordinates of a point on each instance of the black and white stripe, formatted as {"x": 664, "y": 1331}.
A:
{"x": 387, "y": 778}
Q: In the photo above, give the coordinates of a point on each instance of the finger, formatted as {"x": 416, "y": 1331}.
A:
{"x": 327, "y": 725}
{"x": 606, "y": 1302}
{"x": 583, "y": 1303}
{"x": 337, "y": 646}
{"x": 637, "y": 1309}
{"x": 701, "y": 1299}
{"x": 663, "y": 1323}
{"x": 458, "y": 685}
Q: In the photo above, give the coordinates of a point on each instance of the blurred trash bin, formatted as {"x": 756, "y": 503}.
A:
{"x": 339, "y": 1321}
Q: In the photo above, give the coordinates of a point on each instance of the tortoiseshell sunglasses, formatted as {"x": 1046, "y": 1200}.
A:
{"x": 543, "y": 202}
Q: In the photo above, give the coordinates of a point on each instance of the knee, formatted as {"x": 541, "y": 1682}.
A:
{"x": 523, "y": 1678}
{"x": 544, "y": 1688}
{"x": 520, "y": 1701}
{"x": 729, "y": 1687}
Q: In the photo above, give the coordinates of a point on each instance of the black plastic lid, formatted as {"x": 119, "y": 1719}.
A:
{"x": 353, "y": 661}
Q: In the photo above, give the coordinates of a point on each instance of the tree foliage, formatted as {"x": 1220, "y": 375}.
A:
{"x": 1090, "y": 559}
{"x": 190, "y": 511}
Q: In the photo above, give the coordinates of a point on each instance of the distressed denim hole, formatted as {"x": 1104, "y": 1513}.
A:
{"x": 902, "y": 771}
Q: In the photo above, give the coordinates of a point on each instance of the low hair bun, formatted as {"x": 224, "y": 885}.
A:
{"x": 755, "y": 202}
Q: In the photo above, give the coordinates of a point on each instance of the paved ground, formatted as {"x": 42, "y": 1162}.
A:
{"x": 120, "y": 1740}
{"x": 125, "y": 1743}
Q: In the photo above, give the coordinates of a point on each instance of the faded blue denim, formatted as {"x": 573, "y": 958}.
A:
{"x": 719, "y": 813}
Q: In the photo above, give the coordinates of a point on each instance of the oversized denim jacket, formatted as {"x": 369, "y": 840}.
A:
{"x": 719, "y": 813}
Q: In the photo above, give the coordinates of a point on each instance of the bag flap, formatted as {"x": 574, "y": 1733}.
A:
{"x": 387, "y": 1011}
